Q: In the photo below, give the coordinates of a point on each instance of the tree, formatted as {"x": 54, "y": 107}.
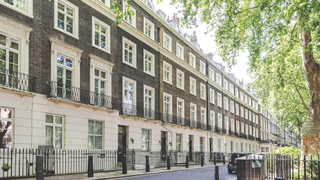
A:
{"x": 273, "y": 32}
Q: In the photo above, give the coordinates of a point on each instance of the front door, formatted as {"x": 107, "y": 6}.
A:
{"x": 122, "y": 142}
{"x": 163, "y": 145}
{"x": 190, "y": 147}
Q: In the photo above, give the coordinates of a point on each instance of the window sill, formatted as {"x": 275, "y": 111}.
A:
{"x": 180, "y": 88}
{"x": 167, "y": 82}
{"x": 193, "y": 94}
{"x": 105, "y": 50}
{"x": 65, "y": 32}
{"x": 151, "y": 74}
{"x": 131, "y": 65}
{"x": 30, "y": 15}
{"x": 204, "y": 98}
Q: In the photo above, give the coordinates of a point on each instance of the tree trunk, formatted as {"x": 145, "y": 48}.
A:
{"x": 311, "y": 128}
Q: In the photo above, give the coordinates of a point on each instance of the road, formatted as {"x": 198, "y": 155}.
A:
{"x": 199, "y": 174}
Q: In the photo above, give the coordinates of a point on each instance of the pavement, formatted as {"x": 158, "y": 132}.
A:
{"x": 132, "y": 173}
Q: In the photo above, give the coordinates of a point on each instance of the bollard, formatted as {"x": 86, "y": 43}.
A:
{"x": 224, "y": 160}
{"x": 216, "y": 173}
{"x": 168, "y": 163}
{"x": 147, "y": 164}
{"x": 124, "y": 164}
{"x": 214, "y": 160}
{"x": 90, "y": 166}
{"x": 187, "y": 161}
{"x": 39, "y": 168}
{"x": 202, "y": 159}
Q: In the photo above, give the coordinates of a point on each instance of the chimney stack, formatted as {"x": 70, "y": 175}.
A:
{"x": 210, "y": 56}
{"x": 193, "y": 38}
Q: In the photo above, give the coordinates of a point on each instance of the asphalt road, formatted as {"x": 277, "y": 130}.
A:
{"x": 199, "y": 174}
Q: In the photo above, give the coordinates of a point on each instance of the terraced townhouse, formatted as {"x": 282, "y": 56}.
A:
{"x": 72, "y": 79}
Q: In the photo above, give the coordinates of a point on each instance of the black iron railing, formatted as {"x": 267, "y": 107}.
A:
{"x": 193, "y": 123}
{"x": 73, "y": 94}
{"x": 224, "y": 131}
{"x": 231, "y": 133}
{"x": 244, "y": 136}
{"x": 251, "y": 137}
{"x": 209, "y": 127}
{"x": 264, "y": 141}
{"x": 257, "y": 139}
{"x": 17, "y": 80}
{"x": 217, "y": 129}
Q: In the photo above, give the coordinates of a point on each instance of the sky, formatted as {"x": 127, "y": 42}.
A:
{"x": 206, "y": 42}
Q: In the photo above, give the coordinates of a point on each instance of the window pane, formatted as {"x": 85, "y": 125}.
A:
{"x": 5, "y": 113}
{"x": 2, "y": 39}
{"x": 21, "y": 4}
{"x": 9, "y": 1}
{"x": 58, "y": 120}
{"x": 58, "y": 137}
{"x": 49, "y": 119}
{"x": 91, "y": 127}
{"x": 98, "y": 128}
{"x": 70, "y": 12}
{"x": 69, "y": 62}
{"x": 60, "y": 59}
{"x": 98, "y": 142}
{"x": 49, "y": 135}
{"x": 91, "y": 142}
{"x": 61, "y": 7}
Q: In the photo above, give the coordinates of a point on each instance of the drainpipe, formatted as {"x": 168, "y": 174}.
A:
{"x": 159, "y": 85}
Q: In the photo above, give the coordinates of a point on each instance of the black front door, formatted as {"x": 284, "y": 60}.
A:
{"x": 210, "y": 145}
{"x": 163, "y": 145}
{"x": 190, "y": 147}
{"x": 122, "y": 142}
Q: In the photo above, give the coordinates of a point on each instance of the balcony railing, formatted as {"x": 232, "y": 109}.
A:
{"x": 203, "y": 125}
{"x": 224, "y": 131}
{"x": 231, "y": 133}
{"x": 73, "y": 94}
{"x": 17, "y": 80}
{"x": 257, "y": 139}
{"x": 264, "y": 141}
{"x": 167, "y": 118}
{"x": 218, "y": 129}
{"x": 193, "y": 123}
{"x": 236, "y": 134}
{"x": 251, "y": 137}
{"x": 244, "y": 136}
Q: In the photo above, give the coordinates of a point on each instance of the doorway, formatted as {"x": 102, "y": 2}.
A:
{"x": 190, "y": 147}
{"x": 122, "y": 142}
{"x": 211, "y": 148}
{"x": 163, "y": 145}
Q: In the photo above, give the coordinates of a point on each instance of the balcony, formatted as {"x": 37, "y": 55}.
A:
{"x": 77, "y": 95}
{"x": 236, "y": 134}
{"x": 16, "y": 80}
{"x": 264, "y": 141}
{"x": 244, "y": 136}
{"x": 251, "y": 137}
{"x": 231, "y": 133}
{"x": 203, "y": 125}
{"x": 218, "y": 129}
{"x": 167, "y": 118}
{"x": 193, "y": 123}
{"x": 257, "y": 139}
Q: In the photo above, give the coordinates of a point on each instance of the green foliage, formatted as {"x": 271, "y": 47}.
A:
{"x": 5, "y": 166}
{"x": 269, "y": 30}
{"x": 288, "y": 151}
{"x": 120, "y": 14}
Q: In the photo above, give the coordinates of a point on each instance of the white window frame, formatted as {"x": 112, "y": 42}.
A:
{"x": 245, "y": 98}
{"x": 211, "y": 74}
{"x": 202, "y": 67}
{"x": 170, "y": 103}
{"x": 106, "y": 3}
{"x": 241, "y": 95}
{"x": 220, "y": 120}
{"x": 218, "y": 79}
{"x": 148, "y": 22}
{"x": 237, "y": 109}
{"x": 95, "y": 135}
{"x": 147, "y": 53}
{"x": 219, "y": 100}
{"x": 28, "y": 11}
{"x": 108, "y": 37}
{"x": 134, "y": 94}
{"x": 170, "y": 41}
{"x": 231, "y": 88}
{"x": 246, "y": 113}
{"x": 134, "y": 52}
{"x": 202, "y": 91}
{"x": 249, "y": 116}
{"x": 133, "y": 18}
{"x": 75, "y": 9}
{"x": 182, "y": 110}
{"x": 148, "y": 141}
{"x": 60, "y": 48}
{"x": 242, "y": 111}
{"x": 226, "y": 103}
{"x": 246, "y": 126}
{"x": 225, "y": 84}
{"x": 20, "y": 33}
{"x": 195, "y": 111}
{"x": 178, "y": 143}
{"x": 212, "y": 119}
{"x": 182, "y": 79}
{"x": 237, "y": 127}
{"x": 194, "y": 62}
{"x": 103, "y": 65}
{"x": 170, "y": 72}
{"x": 182, "y": 51}
{"x": 145, "y": 87}
{"x": 231, "y": 106}
{"x": 242, "y": 128}
{"x": 226, "y": 124}
{"x": 236, "y": 92}
{"x": 211, "y": 96}
{"x": 203, "y": 115}
{"x": 54, "y": 125}
{"x": 7, "y": 114}
{"x": 194, "y": 89}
